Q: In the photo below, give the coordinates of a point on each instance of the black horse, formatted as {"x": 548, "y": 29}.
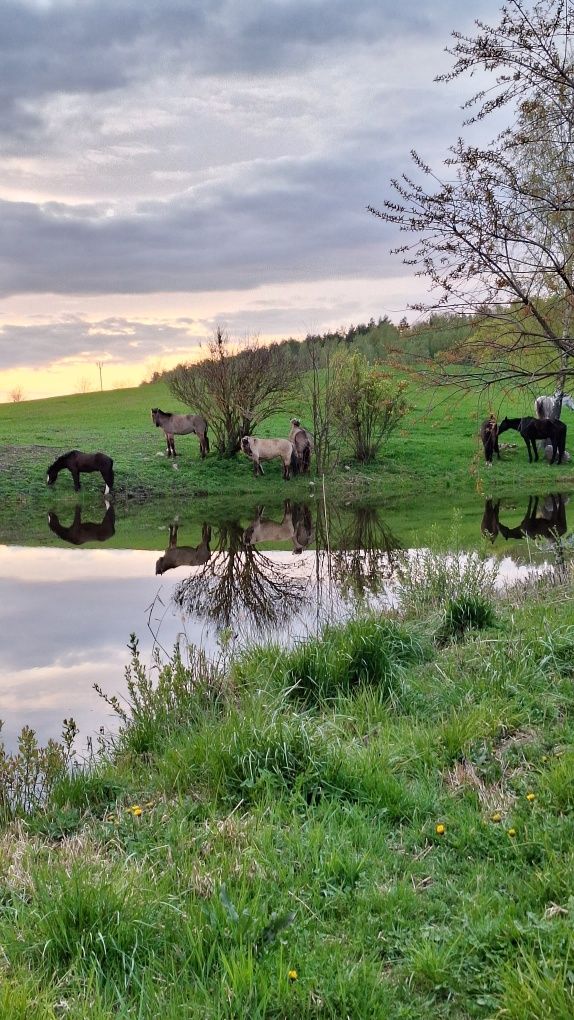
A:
{"x": 532, "y": 429}
{"x": 489, "y": 435}
{"x": 76, "y": 462}
{"x": 80, "y": 531}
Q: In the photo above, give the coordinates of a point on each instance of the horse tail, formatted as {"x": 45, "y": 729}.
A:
{"x": 294, "y": 463}
{"x": 206, "y": 439}
{"x": 539, "y": 407}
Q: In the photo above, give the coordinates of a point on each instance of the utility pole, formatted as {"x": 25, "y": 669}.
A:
{"x": 100, "y": 365}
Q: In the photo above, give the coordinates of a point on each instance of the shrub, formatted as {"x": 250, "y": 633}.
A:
{"x": 368, "y": 651}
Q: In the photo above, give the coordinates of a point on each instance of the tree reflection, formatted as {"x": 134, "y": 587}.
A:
{"x": 241, "y": 586}
{"x": 363, "y": 558}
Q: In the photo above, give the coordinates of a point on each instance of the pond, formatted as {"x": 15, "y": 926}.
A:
{"x": 69, "y": 603}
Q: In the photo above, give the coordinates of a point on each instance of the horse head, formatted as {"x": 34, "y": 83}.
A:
{"x": 246, "y": 445}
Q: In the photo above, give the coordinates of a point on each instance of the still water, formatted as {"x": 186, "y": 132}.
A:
{"x": 67, "y": 609}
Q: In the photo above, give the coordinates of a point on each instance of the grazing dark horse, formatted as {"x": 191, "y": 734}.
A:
{"x": 181, "y": 425}
{"x": 532, "y": 429}
{"x": 80, "y": 531}
{"x": 184, "y": 555}
{"x": 76, "y": 462}
{"x": 489, "y": 436}
{"x": 266, "y": 449}
{"x": 303, "y": 445}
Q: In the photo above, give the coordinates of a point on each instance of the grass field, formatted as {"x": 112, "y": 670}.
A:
{"x": 435, "y": 450}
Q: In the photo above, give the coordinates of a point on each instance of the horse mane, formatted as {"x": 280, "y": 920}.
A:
{"x": 62, "y": 460}
{"x": 158, "y": 410}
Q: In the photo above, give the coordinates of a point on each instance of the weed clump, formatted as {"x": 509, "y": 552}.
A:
{"x": 471, "y": 612}
{"x": 365, "y": 652}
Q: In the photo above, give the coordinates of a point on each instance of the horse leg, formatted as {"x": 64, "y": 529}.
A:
{"x": 167, "y": 441}
{"x": 76, "y": 476}
{"x": 532, "y": 449}
{"x": 172, "y": 440}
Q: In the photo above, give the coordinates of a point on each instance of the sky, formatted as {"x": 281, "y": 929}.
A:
{"x": 168, "y": 167}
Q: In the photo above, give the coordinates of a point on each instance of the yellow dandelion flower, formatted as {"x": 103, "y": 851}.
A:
{"x": 293, "y": 975}
{"x": 440, "y": 829}
{"x": 530, "y": 796}
{"x": 135, "y": 810}
{"x": 496, "y": 816}
{"x": 512, "y": 832}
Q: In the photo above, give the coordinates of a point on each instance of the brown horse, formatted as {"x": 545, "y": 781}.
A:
{"x": 489, "y": 436}
{"x": 181, "y": 425}
{"x": 303, "y": 445}
{"x": 267, "y": 449}
{"x": 76, "y": 462}
{"x": 184, "y": 555}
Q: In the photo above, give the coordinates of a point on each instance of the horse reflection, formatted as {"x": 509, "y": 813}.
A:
{"x": 79, "y": 532}
{"x": 549, "y": 523}
{"x": 184, "y": 555}
{"x": 296, "y": 527}
{"x": 489, "y": 525}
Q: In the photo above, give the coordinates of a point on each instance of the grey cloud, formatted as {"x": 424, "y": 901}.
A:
{"x": 100, "y": 46}
{"x": 288, "y": 220}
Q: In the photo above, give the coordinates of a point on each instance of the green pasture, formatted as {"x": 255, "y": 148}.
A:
{"x": 431, "y": 465}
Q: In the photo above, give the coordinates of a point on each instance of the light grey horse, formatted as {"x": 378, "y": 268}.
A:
{"x": 551, "y": 407}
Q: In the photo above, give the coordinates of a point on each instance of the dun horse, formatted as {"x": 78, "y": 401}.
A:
{"x": 80, "y": 531}
{"x": 532, "y": 429}
{"x": 303, "y": 445}
{"x": 77, "y": 463}
{"x": 267, "y": 449}
{"x": 489, "y": 436}
{"x": 184, "y": 555}
{"x": 181, "y": 425}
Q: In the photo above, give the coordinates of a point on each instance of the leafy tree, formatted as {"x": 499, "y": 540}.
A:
{"x": 366, "y": 404}
{"x": 495, "y": 232}
{"x": 234, "y": 390}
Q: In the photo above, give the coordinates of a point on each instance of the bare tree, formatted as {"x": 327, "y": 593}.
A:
{"x": 16, "y": 394}
{"x": 494, "y": 235}
{"x": 235, "y": 391}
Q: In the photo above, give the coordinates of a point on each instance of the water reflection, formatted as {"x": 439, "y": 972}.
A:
{"x": 364, "y": 557}
{"x": 295, "y": 527}
{"x": 239, "y": 586}
{"x": 544, "y": 518}
{"x": 184, "y": 555}
{"x": 79, "y": 532}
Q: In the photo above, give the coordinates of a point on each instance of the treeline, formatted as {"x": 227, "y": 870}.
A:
{"x": 377, "y": 341}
